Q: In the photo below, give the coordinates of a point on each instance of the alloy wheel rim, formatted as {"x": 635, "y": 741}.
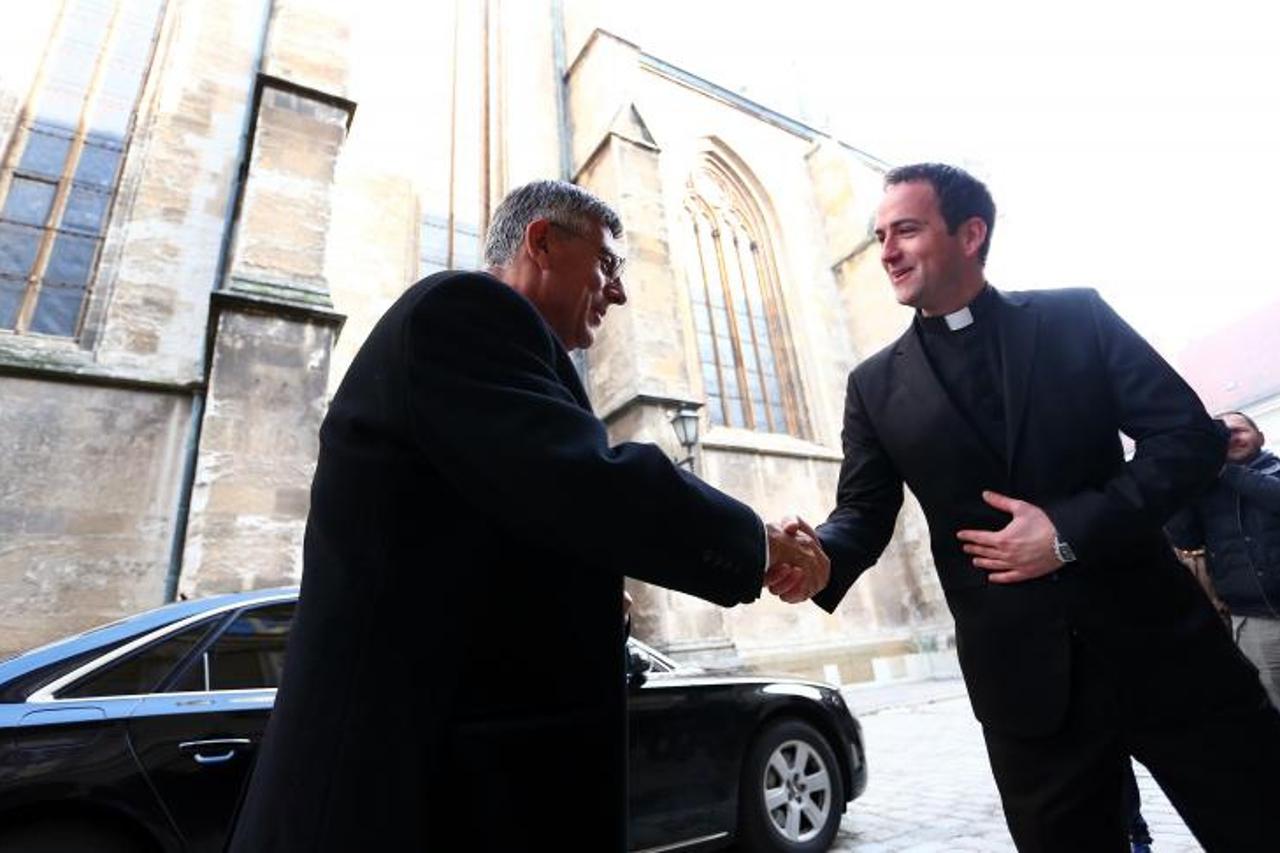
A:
{"x": 797, "y": 791}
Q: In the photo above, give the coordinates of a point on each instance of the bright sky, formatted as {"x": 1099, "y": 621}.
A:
{"x": 1130, "y": 146}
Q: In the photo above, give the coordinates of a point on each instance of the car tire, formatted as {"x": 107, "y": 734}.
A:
{"x": 791, "y": 795}
{"x": 71, "y": 835}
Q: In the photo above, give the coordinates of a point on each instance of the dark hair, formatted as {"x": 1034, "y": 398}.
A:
{"x": 1242, "y": 415}
{"x": 961, "y": 196}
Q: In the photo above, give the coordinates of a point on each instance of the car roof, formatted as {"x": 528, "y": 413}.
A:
{"x": 107, "y": 635}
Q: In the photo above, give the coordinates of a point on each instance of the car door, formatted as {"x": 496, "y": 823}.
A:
{"x": 197, "y": 741}
{"x": 682, "y": 773}
{"x": 99, "y": 702}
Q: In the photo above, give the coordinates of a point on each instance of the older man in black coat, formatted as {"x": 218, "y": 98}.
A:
{"x": 1081, "y": 639}
{"x": 455, "y": 674}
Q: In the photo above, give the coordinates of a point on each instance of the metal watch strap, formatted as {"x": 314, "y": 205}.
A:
{"x": 1062, "y": 550}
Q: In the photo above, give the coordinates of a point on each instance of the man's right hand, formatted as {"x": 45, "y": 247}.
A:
{"x": 798, "y": 568}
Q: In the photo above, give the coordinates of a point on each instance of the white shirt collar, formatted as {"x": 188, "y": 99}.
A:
{"x": 957, "y": 320}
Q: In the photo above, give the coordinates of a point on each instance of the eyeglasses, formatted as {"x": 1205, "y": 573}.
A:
{"x": 611, "y": 263}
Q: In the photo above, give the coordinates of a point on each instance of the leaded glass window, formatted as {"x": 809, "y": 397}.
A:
{"x": 433, "y": 246}
{"x": 63, "y": 169}
{"x": 743, "y": 352}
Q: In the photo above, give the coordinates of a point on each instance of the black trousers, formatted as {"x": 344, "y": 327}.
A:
{"x": 1218, "y": 764}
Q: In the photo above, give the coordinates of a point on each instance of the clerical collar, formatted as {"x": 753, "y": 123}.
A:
{"x": 957, "y": 320}
{"x": 982, "y": 306}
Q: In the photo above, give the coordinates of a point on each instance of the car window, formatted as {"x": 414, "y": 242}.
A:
{"x": 143, "y": 670}
{"x": 656, "y": 664}
{"x": 193, "y": 679}
{"x": 250, "y": 652}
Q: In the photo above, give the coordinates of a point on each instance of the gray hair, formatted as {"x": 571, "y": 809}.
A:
{"x": 557, "y": 201}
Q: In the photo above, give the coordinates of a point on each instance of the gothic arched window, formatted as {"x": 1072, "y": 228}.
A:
{"x": 748, "y": 373}
{"x": 59, "y": 178}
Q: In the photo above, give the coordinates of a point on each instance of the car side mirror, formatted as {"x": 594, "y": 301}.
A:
{"x": 638, "y": 666}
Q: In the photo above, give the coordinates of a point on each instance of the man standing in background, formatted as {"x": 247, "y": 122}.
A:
{"x": 1235, "y": 528}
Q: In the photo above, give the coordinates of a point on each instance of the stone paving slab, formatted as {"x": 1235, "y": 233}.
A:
{"x": 929, "y": 785}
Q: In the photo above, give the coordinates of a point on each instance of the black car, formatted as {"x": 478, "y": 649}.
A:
{"x": 139, "y": 736}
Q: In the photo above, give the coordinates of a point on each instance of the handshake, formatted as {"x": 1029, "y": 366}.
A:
{"x": 798, "y": 568}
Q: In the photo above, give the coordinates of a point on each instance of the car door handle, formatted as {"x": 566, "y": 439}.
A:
{"x": 201, "y": 748}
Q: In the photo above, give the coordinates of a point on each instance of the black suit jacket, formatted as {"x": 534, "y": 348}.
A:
{"x": 1075, "y": 377}
{"x": 455, "y": 678}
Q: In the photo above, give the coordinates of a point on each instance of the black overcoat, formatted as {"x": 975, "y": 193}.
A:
{"x": 454, "y": 679}
{"x": 1075, "y": 377}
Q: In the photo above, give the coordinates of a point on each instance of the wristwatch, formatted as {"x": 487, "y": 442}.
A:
{"x": 1062, "y": 550}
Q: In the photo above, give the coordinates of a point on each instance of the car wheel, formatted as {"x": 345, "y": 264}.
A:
{"x": 70, "y": 835}
{"x": 791, "y": 794}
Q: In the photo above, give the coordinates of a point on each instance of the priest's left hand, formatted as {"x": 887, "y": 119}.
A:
{"x": 1021, "y": 550}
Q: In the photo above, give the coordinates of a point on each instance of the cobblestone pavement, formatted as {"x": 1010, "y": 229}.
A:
{"x": 929, "y": 787}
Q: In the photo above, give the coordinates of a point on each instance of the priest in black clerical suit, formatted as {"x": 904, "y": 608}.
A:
{"x": 1081, "y": 639}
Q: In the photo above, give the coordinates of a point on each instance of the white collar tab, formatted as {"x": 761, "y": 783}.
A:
{"x": 958, "y": 320}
